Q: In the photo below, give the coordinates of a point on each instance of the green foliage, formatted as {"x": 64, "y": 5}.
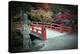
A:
{"x": 58, "y": 8}
{"x": 26, "y": 7}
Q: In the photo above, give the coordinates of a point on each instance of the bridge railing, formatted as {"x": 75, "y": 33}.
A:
{"x": 57, "y": 27}
{"x": 38, "y": 29}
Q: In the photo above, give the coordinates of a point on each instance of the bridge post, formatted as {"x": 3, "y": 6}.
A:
{"x": 43, "y": 32}
{"x": 61, "y": 27}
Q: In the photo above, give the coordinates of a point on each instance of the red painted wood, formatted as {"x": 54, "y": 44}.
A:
{"x": 43, "y": 32}
{"x": 61, "y": 28}
{"x": 44, "y": 35}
